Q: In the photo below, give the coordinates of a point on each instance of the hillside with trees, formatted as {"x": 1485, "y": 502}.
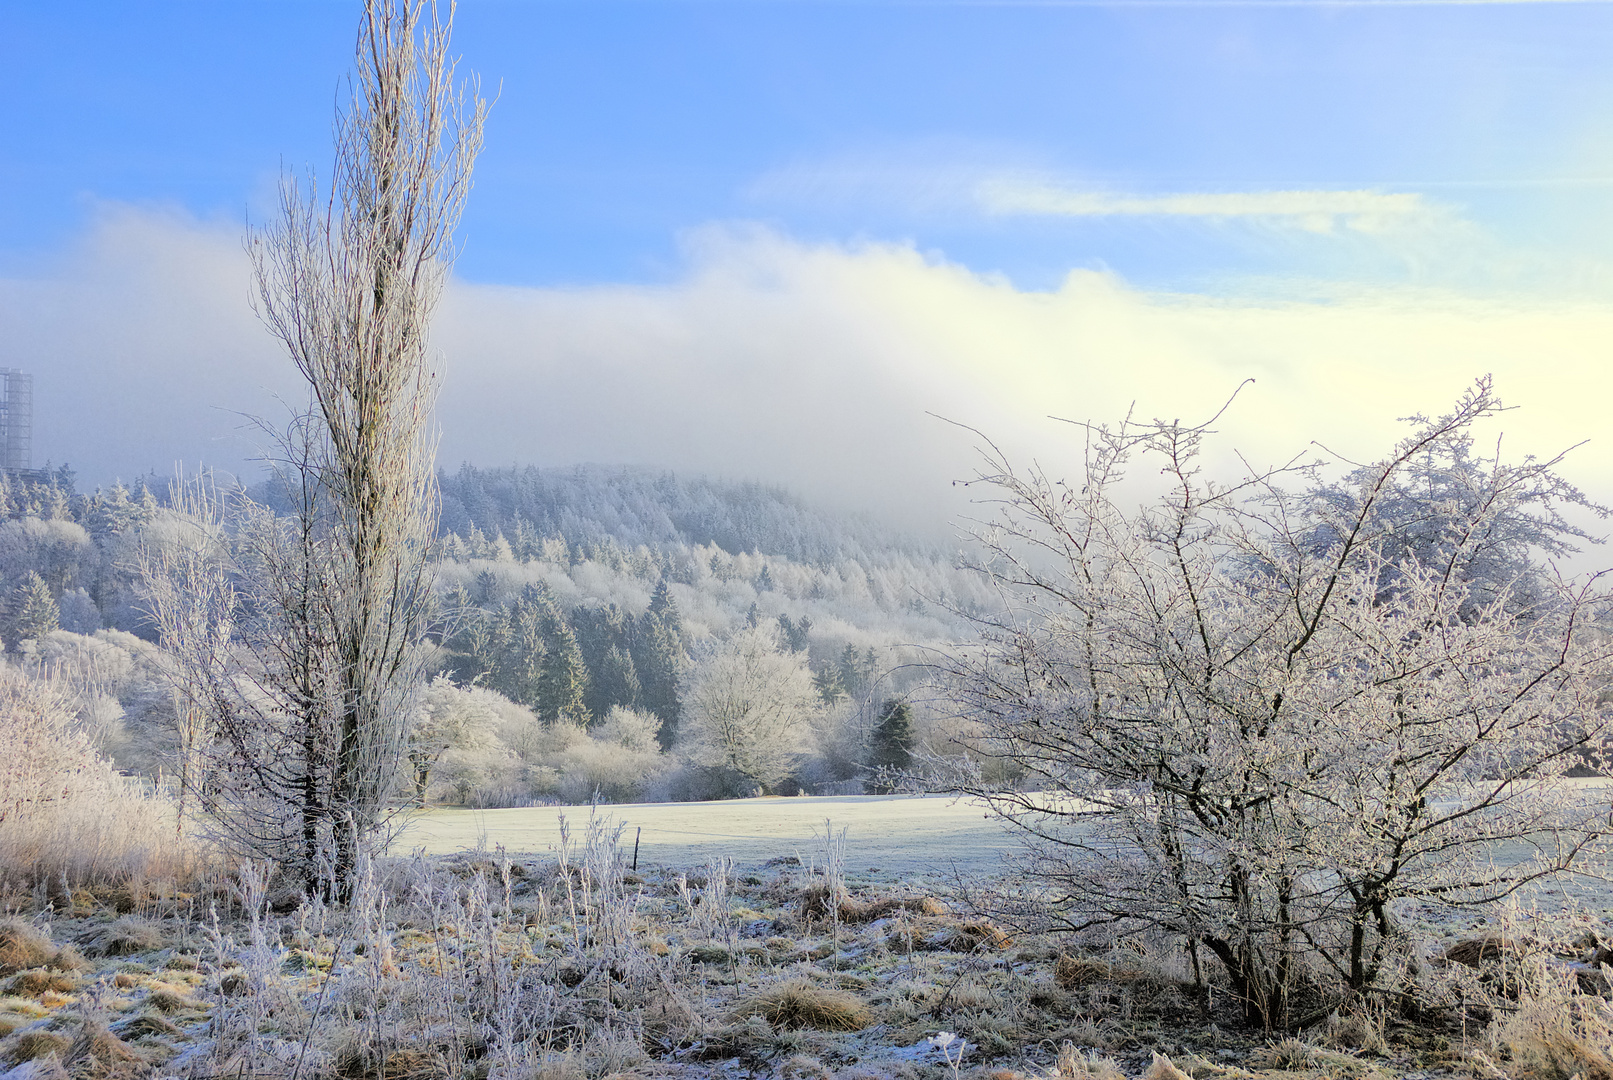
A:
{"x": 578, "y": 610}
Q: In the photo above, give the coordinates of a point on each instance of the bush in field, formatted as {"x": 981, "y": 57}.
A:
{"x": 64, "y": 810}
{"x": 475, "y": 747}
{"x": 748, "y": 709}
{"x": 454, "y": 746}
{"x": 117, "y": 687}
{"x": 1261, "y": 717}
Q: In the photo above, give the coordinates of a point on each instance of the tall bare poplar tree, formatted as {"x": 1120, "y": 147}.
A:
{"x": 330, "y": 603}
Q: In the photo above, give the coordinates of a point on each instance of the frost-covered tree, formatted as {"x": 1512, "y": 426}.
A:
{"x": 31, "y": 612}
{"x": 890, "y": 747}
{"x": 306, "y": 658}
{"x": 658, "y": 661}
{"x": 747, "y": 709}
{"x": 1262, "y": 720}
{"x": 564, "y": 680}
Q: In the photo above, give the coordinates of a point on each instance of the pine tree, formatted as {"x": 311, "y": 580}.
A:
{"x": 891, "y": 747}
{"x": 33, "y": 612}
{"x": 614, "y": 682}
{"x": 657, "y": 654}
{"x": 564, "y": 679}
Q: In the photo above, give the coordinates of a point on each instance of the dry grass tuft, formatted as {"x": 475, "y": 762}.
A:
{"x": 1297, "y": 1055}
{"x": 39, "y": 981}
{"x": 803, "y": 1067}
{"x": 31, "y": 1045}
{"x": 148, "y": 1024}
{"x": 815, "y": 905}
{"x": 22, "y": 946}
{"x": 1561, "y": 1036}
{"x": 68, "y": 958}
{"x": 169, "y": 1002}
{"x": 1075, "y": 1065}
{"x": 128, "y": 936}
{"x": 99, "y": 1053}
{"x": 357, "y": 1062}
{"x": 1073, "y": 972}
{"x": 438, "y": 1051}
{"x": 1164, "y": 1069}
{"x": 977, "y": 934}
{"x": 801, "y": 1003}
{"x": 21, "y": 1007}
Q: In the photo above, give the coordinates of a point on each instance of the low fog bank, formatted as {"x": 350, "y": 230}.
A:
{"x": 827, "y": 369}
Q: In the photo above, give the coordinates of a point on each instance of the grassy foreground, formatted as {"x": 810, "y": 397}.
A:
{"x": 771, "y": 961}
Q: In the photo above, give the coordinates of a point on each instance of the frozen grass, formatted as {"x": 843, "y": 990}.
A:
{"x": 486, "y": 964}
{"x": 899, "y": 834}
{"x": 67, "y": 818}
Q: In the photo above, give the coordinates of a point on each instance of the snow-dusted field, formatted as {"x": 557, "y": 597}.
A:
{"x": 899, "y": 835}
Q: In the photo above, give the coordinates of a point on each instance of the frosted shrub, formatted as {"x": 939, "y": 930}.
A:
{"x": 1259, "y": 718}
{"x": 615, "y": 764}
{"x": 64, "y": 810}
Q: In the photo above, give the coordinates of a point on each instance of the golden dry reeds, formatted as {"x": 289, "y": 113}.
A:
{"x": 802, "y": 1003}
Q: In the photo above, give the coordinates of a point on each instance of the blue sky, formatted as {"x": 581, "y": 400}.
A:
{"x": 671, "y": 180}
{"x": 619, "y": 124}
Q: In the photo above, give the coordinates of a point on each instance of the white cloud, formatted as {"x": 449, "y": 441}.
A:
{"x": 143, "y": 346}
{"x": 1315, "y": 211}
{"x": 817, "y": 366}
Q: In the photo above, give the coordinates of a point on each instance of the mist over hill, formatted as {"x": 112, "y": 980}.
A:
{"x": 586, "y": 504}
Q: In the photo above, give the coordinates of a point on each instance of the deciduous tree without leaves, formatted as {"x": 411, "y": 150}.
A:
{"x": 327, "y": 607}
{"x": 1260, "y": 716}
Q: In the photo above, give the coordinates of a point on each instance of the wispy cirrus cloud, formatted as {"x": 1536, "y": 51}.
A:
{"x": 1319, "y": 210}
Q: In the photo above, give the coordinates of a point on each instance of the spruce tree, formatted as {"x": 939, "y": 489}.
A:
{"x": 520, "y": 653}
{"x": 564, "y": 678}
{"x": 797, "y": 635}
{"x": 33, "y": 611}
{"x": 614, "y": 682}
{"x": 658, "y": 659}
{"x": 891, "y": 747}
{"x": 857, "y": 670}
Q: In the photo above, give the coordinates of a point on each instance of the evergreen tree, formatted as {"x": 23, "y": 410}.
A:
{"x": 826, "y": 677}
{"x": 600, "y": 632}
{"x": 108, "y": 513}
{"x": 857, "y": 671}
{"x": 657, "y": 653}
{"x": 891, "y": 747}
{"x": 661, "y": 601}
{"x": 796, "y": 633}
{"x": 519, "y": 654}
{"x": 564, "y": 679}
{"x": 33, "y": 612}
{"x": 614, "y": 682}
